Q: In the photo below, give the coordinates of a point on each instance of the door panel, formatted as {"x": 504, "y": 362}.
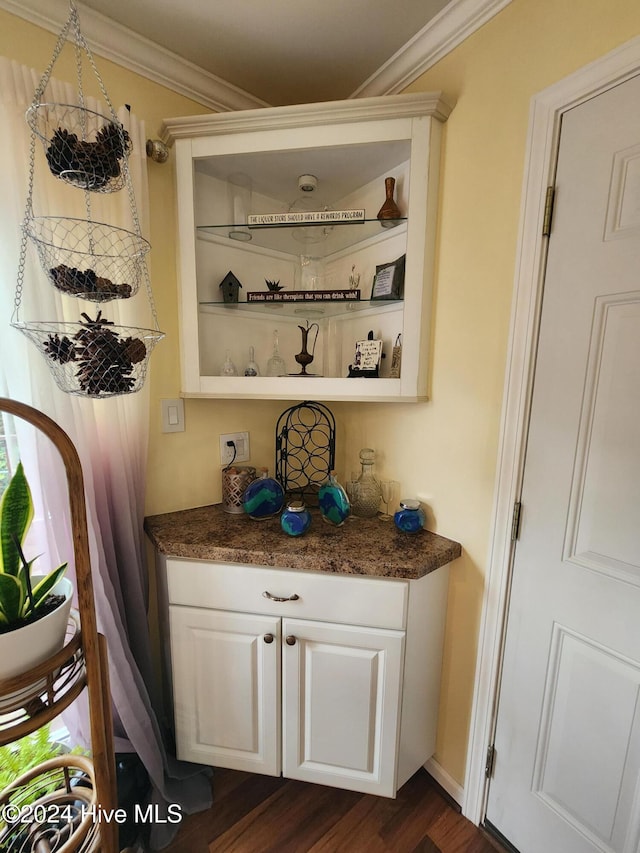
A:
{"x": 226, "y": 688}
{"x": 567, "y": 748}
{"x": 604, "y": 532}
{"x": 583, "y": 675}
{"x": 341, "y": 689}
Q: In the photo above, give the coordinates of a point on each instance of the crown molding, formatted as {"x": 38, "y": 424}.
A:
{"x": 456, "y": 22}
{"x": 449, "y": 28}
{"x": 307, "y": 115}
{"x": 118, "y": 44}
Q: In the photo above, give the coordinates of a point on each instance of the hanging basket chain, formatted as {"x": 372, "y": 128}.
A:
{"x": 28, "y": 214}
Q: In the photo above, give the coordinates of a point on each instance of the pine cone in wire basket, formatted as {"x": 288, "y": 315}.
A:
{"x": 61, "y": 151}
{"x": 104, "y": 360}
{"x": 91, "y": 163}
{"x": 115, "y": 139}
{"x": 87, "y": 283}
{"x": 60, "y": 349}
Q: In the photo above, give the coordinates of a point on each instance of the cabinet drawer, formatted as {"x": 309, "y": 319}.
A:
{"x": 374, "y": 602}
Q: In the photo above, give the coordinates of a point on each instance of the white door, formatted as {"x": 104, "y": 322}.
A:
{"x": 567, "y": 747}
{"x": 226, "y": 686}
{"x": 341, "y": 705}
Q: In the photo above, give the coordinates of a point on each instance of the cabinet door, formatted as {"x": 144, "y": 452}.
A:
{"x": 226, "y": 688}
{"x": 341, "y": 705}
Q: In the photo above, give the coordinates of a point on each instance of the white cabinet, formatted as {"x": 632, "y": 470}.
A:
{"x": 226, "y": 676}
{"x": 350, "y": 147}
{"x": 341, "y": 705}
{"x": 326, "y": 678}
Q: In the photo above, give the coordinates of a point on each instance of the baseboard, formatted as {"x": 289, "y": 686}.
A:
{"x": 447, "y": 782}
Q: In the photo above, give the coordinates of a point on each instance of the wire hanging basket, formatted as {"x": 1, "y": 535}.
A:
{"x": 83, "y": 147}
{"x": 94, "y": 357}
{"x": 88, "y": 259}
{"x": 83, "y": 258}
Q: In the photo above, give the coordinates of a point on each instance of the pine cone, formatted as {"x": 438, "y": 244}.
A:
{"x": 60, "y": 349}
{"x": 136, "y": 350}
{"x": 115, "y": 139}
{"x": 61, "y": 153}
{"x": 105, "y": 363}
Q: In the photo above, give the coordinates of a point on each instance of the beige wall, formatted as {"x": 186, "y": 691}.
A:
{"x": 443, "y": 451}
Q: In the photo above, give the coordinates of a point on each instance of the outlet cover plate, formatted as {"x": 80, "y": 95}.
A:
{"x": 241, "y": 440}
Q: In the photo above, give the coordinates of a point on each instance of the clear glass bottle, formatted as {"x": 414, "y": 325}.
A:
{"x": 368, "y": 492}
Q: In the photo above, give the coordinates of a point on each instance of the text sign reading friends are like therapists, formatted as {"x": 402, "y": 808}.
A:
{"x": 307, "y": 217}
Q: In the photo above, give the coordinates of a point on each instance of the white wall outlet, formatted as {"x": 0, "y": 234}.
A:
{"x": 241, "y": 441}
{"x": 172, "y": 415}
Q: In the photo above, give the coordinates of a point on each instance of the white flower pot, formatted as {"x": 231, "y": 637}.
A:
{"x": 26, "y": 647}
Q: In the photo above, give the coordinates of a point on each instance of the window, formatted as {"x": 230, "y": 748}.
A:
{"x": 7, "y": 450}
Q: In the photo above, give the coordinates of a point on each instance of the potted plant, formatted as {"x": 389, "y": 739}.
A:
{"x": 34, "y": 609}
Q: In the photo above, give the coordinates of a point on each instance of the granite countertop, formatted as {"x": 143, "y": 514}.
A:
{"x": 362, "y": 546}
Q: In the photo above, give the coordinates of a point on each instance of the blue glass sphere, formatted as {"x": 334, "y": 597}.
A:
{"x": 263, "y": 498}
{"x": 333, "y": 501}
{"x": 295, "y": 519}
{"x": 410, "y": 517}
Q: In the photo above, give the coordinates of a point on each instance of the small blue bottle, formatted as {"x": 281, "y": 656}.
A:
{"x": 410, "y": 517}
{"x": 333, "y": 501}
{"x": 295, "y": 519}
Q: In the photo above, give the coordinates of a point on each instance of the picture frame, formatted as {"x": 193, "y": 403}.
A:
{"x": 388, "y": 282}
{"x": 366, "y": 362}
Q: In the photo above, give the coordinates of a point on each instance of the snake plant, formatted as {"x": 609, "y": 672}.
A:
{"x": 20, "y": 600}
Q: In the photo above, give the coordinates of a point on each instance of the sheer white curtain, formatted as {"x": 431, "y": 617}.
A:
{"x": 110, "y": 435}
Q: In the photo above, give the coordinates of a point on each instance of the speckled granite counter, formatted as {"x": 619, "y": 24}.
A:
{"x": 360, "y": 547}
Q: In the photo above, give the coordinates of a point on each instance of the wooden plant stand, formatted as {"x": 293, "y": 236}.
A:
{"x": 57, "y": 804}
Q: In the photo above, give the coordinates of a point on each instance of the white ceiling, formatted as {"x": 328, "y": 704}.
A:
{"x": 242, "y": 54}
{"x": 280, "y": 51}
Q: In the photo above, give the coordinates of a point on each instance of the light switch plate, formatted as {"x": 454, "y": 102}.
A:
{"x": 172, "y": 415}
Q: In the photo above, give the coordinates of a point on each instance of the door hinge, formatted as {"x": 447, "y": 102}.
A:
{"x": 515, "y": 521}
{"x": 548, "y": 211}
{"x": 491, "y": 758}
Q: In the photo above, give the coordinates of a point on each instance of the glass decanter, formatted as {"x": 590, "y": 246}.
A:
{"x": 368, "y": 493}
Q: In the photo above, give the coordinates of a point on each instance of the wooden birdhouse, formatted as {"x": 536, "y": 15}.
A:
{"x": 230, "y": 288}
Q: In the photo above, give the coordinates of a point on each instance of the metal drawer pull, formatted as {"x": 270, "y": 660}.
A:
{"x": 291, "y": 640}
{"x": 268, "y": 595}
{"x": 268, "y": 638}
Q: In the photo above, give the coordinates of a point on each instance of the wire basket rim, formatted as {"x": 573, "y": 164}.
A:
{"x": 37, "y": 325}
{"x": 77, "y": 219}
{"x": 34, "y": 108}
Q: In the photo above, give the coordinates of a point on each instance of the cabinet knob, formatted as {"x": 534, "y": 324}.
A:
{"x": 268, "y": 638}
{"x": 291, "y": 640}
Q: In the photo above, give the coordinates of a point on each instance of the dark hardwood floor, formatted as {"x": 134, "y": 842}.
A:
{"x": 262, "y": 814}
